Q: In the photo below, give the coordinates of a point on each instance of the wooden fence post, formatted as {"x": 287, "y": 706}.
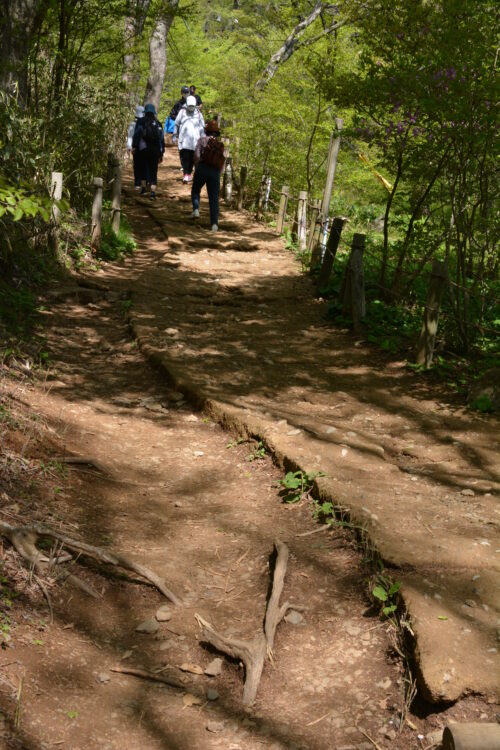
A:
{"x": 241, "y": 189}
{"x": 227, "y": 182}
{"x": 267, "y": 193}
{"x": 285, "y": 192}
{"x": 302, "y": 220}
{"x": 425, "y": 348}
{"x": 116, "y": 197}
{"x": 56, "y": 186}
{"x": 330, "y": 252}
{"x": 333, "y": 152}
{"x": 314, "y": 245}
{"x": 353, "y": 285}
{"x": 260, "y": 196}
{"x": 95, "y": 234}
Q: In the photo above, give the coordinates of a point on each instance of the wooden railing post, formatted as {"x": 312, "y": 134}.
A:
{"x": 280, "y": 224}
{"x": 425, "y": 348}
{"x": 302, "y": 220}
{"x": 241, "y": 190}
{"x": 267, "y": 193}
{"x": 56, "y": 187}
{"x": 313, "y": 244}
{"x": 116, "y": 197}
{"x": 260, "y": 196}
{"x": 353, "y": 285}
{"x": 333, "y": 152}
{"x": 227, "y": 182}
{"x": 330, "y": 252}
{"x": 95, "y": 233}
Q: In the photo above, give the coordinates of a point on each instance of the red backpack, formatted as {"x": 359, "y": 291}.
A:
{"x": 213, "y": 154}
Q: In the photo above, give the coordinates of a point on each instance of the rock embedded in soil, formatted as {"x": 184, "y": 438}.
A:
{"x": 212, "y": 694}
{"x": 215, "y": 726}
{"x": 163, "y": 613}
{"x": 103, "y": 677}
{"x": 148, "y": 626}
{"x": 214, "y": 668}
{"x": 294, "y": 617}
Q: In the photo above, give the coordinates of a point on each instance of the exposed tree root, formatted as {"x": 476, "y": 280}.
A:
{"x": 24, "y": 539}
{"x": 253, "y": 653}
{"x": 171, "y": 681}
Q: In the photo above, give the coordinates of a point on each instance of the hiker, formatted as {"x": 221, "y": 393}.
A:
{"x": 189, "y": 125}
{"x": 139, "y": 114}
{"x": 199, "y": 102}
{"x": 209, "y": 161}
{"x": 179, "y": 104}
{"x": 149, "y": 146}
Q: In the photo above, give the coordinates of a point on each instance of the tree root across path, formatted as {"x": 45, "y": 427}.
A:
{"x": 253, "y": 653}
{"x": 24, "y": 539}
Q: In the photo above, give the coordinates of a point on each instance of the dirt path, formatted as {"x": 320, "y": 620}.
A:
{"x": 235, "y": 324}
{"x": 198, "y": 512}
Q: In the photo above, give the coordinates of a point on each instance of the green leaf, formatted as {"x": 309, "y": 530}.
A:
{"x": 389, "y": 610}
{"x": 380, "y": 593}
{"x": 394, "y": 588}
{"x": 442, "y": 617}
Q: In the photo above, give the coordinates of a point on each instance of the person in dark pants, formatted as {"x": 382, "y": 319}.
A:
{"x": 209, "y": 161}
{"x": 139, "y": 114}
{"x": 148, "y": 143}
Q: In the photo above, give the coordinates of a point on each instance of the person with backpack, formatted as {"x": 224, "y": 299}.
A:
{"x": 209, "y": 160}
{"x": 139, "y": 114}
{"x": 149, "y": 145}
{"x": 180, "y": 104}
{"x": 199, "y": 102}
{"x": 189, "y": 125}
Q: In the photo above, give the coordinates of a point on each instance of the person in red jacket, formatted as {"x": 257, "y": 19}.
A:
{"x": 209, "y": 162}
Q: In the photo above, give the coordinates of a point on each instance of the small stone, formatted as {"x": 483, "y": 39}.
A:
{"x": 148, "y": 626}
{"x": 176, "y": 396}
{"x": 198, "y": 453}
{"x": 212, "y": 694}
{"x": 470, "y": 603}
{"x": 467, "y": 492}
{"x": 177, "y": 504}
{"x": 103, "y": 677}
{"x": 163, "y": 614}
{"x": 434, "y": 737}
{"x": 165, "y": 645}
{"x": 215, "y": 726}
{"x": 294, "y": 617}
{"x": 214, "y": 668}
{"x": 390, "y": 734}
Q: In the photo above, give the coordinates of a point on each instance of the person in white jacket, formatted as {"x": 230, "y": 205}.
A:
{"x": 139, "y": 114}
{"x": 189, "y": 127}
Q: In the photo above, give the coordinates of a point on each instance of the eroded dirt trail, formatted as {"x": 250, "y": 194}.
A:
{"x": 179, "y": 500}
{"x": 203, "y": 516}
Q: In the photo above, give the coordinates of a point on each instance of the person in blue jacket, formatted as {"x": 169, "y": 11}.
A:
{"x": 148, "y": 143}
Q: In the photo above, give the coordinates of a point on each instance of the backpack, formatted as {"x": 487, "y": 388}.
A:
{"x": 150, "y": 134}
{"x": 213, "y": 153}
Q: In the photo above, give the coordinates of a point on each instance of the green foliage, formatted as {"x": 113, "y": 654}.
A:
{"x": 114, "y": 246}
{"x": 297, "y": 484}
{"x": 258, "y": 452}
{"x": 386, "y": 592}
{"x": 483, "y": 404}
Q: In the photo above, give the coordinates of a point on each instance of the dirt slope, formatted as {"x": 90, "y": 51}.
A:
{"x": 229, "y": 316}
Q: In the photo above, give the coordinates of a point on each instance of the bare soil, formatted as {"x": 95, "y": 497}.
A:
{"x": 182, "y": 497}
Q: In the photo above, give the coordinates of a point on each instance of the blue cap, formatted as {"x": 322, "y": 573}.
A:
{"x": 150, "y": 108}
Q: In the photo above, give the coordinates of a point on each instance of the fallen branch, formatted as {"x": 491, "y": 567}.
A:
{"x": 24, "y": 539}
{"x": 254, "y": 653}
{"x": 171, "y": 681}
{"x": 92, "y": 463}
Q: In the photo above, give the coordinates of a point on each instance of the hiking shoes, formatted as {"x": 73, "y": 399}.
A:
{"x": 185, "y": 178}
{"x": 153, "y": 196}
{"x": 195, "y": 214}
{"x": 143, "y": 191}
{"x": 215, "y": 227}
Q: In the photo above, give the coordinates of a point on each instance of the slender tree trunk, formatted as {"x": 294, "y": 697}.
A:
{"x": 137, "y": 11}
{"x": 158, "y": 52}
{"x": 19, "y": 22}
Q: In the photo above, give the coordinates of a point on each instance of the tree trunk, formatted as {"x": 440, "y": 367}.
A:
{"x": 158, "y": 53}
{"x": 19, "y": 22}
{"x": 137, "y": 11}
